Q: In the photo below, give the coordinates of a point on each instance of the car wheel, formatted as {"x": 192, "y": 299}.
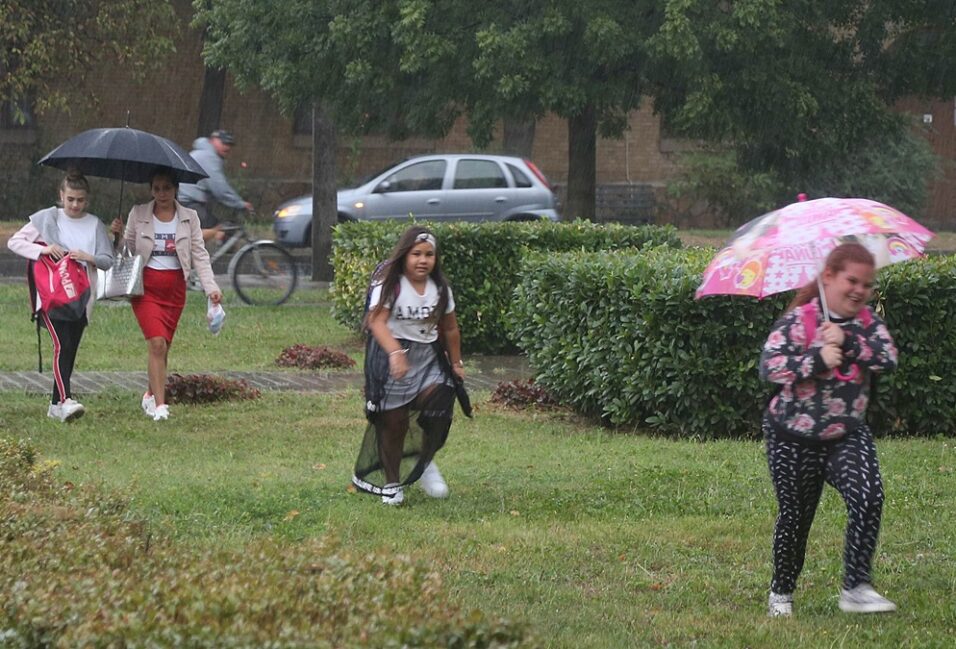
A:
{"x": 526, "y": 217}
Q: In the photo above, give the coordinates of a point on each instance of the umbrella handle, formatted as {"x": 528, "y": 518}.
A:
{"x": 823, "y": 298}
{"x": 853, "y": 373}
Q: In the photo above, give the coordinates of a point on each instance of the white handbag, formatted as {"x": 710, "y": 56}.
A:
{"x": 123, "y": 280}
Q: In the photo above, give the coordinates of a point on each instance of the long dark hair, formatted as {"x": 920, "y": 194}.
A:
{"x": 163, "y": 172}
{"x": 390, "y": 273}
{"x": 837, "y": 260}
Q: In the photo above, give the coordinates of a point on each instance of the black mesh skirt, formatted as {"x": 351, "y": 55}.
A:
{"x": 408, "y": 419}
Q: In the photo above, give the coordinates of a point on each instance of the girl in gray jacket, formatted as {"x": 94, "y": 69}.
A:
{"x": 67, "y": 231}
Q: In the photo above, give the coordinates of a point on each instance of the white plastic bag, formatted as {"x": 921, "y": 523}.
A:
{"x": 215, "y": 316}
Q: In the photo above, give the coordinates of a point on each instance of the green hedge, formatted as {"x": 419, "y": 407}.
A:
{"x": 621, "y": 337}
{"x": 482, "y": 262}
{"x": 77, "y": 570}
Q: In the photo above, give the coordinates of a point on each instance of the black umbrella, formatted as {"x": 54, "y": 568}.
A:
{"x": 123, "y": 154}
{"x": 463, "y": 399}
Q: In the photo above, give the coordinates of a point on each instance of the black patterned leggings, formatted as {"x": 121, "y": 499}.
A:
{"x": 798, "y": 472}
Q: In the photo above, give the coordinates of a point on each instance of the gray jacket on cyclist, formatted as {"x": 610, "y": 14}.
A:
{"x": 190, "y": 250}
{"x": 215, "y": 187}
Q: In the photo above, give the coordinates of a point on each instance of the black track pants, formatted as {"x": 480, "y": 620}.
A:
{"x": 66, "y": 335}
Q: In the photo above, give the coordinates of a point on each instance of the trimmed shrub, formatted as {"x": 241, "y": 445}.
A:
{"x": 205, "y": 388}
{"x": 313, "y": 358}
{"x": 918, "y": 301}
{"x": 77, "y": 570}
{"x": 482, "y": 262}
{"x": 621, "y": 338}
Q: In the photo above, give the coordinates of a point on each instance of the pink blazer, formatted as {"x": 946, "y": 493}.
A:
{"x": 190, "y": 248}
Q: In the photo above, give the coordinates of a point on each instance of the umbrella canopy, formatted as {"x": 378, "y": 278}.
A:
{"x": 785, "y": 249}
{"x": 123, "y": 154}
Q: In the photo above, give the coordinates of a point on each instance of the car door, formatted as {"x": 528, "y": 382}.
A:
{"x": 479, "y": 191}
{"x": 414, "y": 188}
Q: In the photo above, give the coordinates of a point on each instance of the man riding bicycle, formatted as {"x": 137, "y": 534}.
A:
{"x": 210, "y": 153}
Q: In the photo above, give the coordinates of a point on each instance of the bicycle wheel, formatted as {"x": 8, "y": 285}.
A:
{"x": 264, "y": 273}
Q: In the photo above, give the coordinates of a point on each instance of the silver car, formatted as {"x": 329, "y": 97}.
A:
{"x": 459, "y": 187}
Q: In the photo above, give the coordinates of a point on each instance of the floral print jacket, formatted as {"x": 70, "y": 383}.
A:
{"x": 813, "y": 402}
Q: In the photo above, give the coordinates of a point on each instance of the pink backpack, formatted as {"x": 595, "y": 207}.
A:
{"x": 58, "y": 289}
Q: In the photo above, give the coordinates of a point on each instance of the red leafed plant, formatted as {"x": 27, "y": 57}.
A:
{"x": 205, "y": 388}
{"x": 312, "y": 358}
{"x": 521, "y": 394}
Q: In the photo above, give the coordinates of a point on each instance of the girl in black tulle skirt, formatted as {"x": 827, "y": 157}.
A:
{"x": 412, "y": 360}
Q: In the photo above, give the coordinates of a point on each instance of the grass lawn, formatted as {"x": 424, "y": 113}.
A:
{"x": 597, "y": 539}
{"x": 252, "y": 338}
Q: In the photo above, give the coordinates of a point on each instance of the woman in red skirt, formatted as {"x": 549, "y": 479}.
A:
{"x": 167, "y": 235}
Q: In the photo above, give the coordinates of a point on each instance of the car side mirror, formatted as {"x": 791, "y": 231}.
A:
{"x": 384, "y": 187}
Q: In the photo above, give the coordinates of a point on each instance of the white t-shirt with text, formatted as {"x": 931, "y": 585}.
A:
{"x": 409, "y": 311}
{"x": 164, "y": 246}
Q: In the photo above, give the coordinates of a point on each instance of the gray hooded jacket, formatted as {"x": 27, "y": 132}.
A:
{"x": 215, "y": 187}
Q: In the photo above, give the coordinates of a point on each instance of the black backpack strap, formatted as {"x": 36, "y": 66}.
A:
{"x": 32, "y": 287}
{"x": 39, "y": 348}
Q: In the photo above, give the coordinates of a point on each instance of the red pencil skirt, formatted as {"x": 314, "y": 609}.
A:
{"x": 162, "y": 302}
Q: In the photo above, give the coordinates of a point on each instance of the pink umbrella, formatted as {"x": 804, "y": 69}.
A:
{"x": 785, "y": 249}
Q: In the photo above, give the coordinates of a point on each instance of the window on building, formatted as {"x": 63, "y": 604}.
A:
{"x": 302, "y": 120}
{"x": 17, "y": 115}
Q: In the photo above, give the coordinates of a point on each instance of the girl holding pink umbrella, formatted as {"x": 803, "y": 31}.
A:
{"x": 822, "y": 355}
{"x": 815, "y": 427}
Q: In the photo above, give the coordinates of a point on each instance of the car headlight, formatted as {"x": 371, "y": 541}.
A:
{"x": 286, "y": 212}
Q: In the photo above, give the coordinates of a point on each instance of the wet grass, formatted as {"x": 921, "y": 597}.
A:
{"x": 596, "y": 538}
{"x": 252, "y": 338}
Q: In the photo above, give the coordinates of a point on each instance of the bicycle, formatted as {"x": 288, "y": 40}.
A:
{"x": 261, "y": 271}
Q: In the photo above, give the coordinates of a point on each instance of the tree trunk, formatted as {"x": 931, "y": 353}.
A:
{"x": 518, "y": 137}
{"x": 324, "y": 201}
{"x": 582, "y": 165}
{"x": 210, "y": 101}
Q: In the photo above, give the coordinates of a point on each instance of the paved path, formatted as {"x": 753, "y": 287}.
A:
{"x": 483, "y": 373}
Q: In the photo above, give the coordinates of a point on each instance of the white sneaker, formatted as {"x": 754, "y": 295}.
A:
{"x": 433, "y": 483}
{"x": 161, "y": 413}
{"x": 780, "y": 605}
{"x": 70, "y": 410}
{"x": 395, "y": 495}
{"x": 53, "y": 412}
{"x": 149, "y": 404}
{"x": 863, "y": 599}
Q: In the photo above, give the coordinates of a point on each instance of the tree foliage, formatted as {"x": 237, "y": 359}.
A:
{"x": 342, "y": 52}
{"x": 564, "y": 57}
{"x": 48, "y": 47}
{"x": 796, "y": 86}
{"x": 893, "y": 168}
{"x": 795, "y": 89}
